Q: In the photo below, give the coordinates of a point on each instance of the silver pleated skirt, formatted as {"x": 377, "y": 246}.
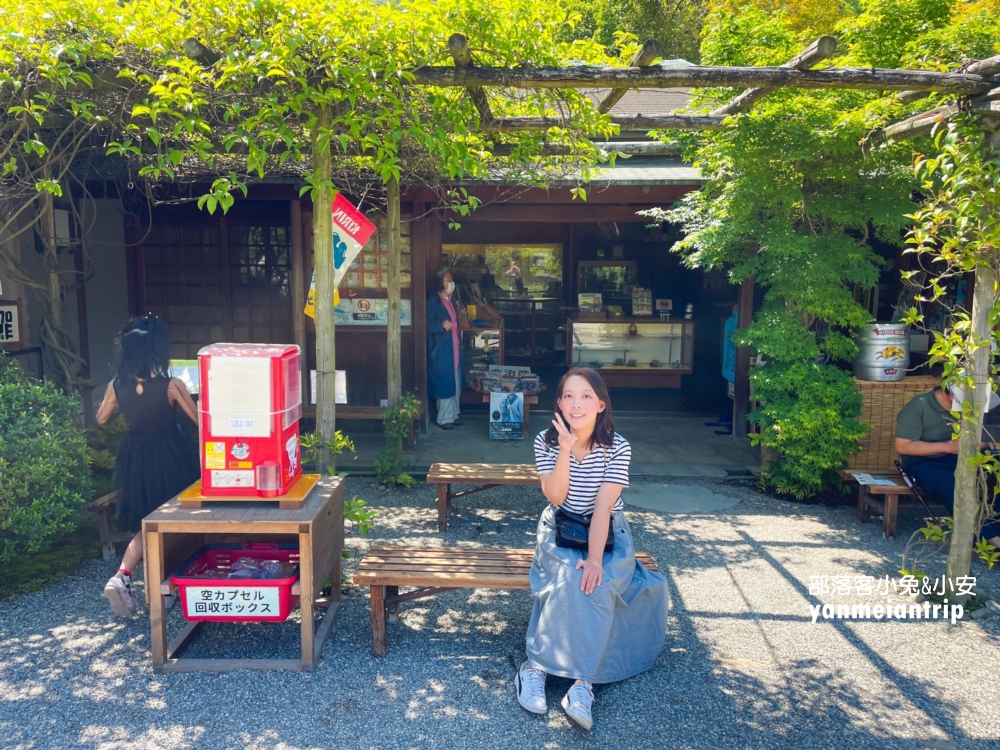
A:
{"x": 616, "y": 632}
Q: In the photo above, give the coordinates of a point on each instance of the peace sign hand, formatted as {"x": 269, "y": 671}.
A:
{"x": 566, "y": 438}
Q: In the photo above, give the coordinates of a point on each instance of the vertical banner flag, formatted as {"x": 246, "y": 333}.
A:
{"x": 351, "y": 231}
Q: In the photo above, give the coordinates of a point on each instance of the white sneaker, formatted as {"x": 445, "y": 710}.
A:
{"x": 120, "y": 597}
{"x": 577, "y": 704}
{"x": 530, "y": 684}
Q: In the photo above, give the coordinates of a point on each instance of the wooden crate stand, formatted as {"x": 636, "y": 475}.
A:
{"x": 173, "y": 533}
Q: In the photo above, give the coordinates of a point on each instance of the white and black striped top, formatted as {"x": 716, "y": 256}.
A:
{"x": 585, "y": 478}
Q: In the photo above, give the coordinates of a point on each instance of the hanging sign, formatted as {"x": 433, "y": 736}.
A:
{"x": 351, "y": 230}
{"x": 11, "y": 332}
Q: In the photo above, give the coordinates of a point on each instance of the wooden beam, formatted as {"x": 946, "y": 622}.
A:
{"x": 586, "y": 76}
{"x": 913, "y": 127}
{"x": 418, "y": 263}
{"x": 668, "y": 121}
{"x": 579, "y": 213}
{"x": 631, "y": 148}
{"x": 987, "y": 68}
{"x": 298, "y": 284}
{"x": 741, "y": 386}
{"x": 393, "y": 329}
{"x": 458, "y": 45}
{"x": 326, "y": 353}
{"x": 820, "y": 50}
{"x": 649, "y": 51}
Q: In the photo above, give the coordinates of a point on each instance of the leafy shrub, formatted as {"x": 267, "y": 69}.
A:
{"x": 44, "y": 466}
{"x": 396, "y": 423}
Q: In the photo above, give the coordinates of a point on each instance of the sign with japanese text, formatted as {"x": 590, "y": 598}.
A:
{"x": 11, "y": 335}
{"x": 351, "y": 231}
{"x": 231, "y": 601}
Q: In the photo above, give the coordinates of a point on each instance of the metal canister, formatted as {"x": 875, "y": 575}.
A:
{"x": 883, "y": 352}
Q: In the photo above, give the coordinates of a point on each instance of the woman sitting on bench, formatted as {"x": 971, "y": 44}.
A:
{"x": 599, "y": 616}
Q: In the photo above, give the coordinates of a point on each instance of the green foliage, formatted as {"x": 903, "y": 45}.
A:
{"x": 792, "y": 201}
{"x": 396, "y": 424}
{"x": 675, "y": 25}
{"x": 355, "y": 510}
{"x": 44, "y": 466}
{"x": 957, "y": 233}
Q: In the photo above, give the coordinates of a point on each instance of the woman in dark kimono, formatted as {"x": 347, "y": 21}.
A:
{"x": 444, "y": 351}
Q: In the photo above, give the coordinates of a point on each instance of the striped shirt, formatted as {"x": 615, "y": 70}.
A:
{"x": 585, "y": 477}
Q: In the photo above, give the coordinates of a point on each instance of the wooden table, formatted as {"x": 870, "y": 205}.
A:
{"x": 438, "y": 569}
{"x": 529, "y": 399}
{"x": 485, "y": 475}
{"x": 172, "y": 534}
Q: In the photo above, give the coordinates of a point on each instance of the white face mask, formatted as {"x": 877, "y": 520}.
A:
{"x": 450, "y": 287}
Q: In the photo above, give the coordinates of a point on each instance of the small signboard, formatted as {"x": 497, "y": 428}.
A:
{"x": 351, "y": 230}
{"x": 232, "y": 601}
{"x": 339, "y": 387}
{"x": 506, "y": 416}
{"x": 508, "y": 371}
{"x": 370, "y": 311}
{"x": 642, "y": 301}
{"x": 11, "y": 324}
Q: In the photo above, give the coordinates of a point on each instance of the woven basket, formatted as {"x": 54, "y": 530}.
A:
{"x": 881, "y": 406}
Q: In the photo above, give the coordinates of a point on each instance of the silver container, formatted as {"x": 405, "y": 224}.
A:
{"x": 883, "y": 352}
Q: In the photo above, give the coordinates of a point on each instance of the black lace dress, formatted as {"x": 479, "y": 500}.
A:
{"x": 156, "y": 460}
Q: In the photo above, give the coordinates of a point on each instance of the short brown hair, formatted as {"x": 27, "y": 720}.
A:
{"x": 604, "y": 430}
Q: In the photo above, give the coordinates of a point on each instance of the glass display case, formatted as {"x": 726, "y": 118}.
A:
{"x": 633, "y": 352}
{"x": 613, "y": 280}
{"x": 530, "y": 328}
{"x": 481, "y": 347}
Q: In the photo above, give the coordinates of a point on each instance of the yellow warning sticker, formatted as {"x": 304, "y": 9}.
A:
{"x": 241, "y": 464}
{"x": 215, "y": 455}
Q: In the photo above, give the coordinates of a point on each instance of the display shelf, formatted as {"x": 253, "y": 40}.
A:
{"x": 633, "y": 352}
{"x": 481, "y": 347}
{"x": 529, "y": 327}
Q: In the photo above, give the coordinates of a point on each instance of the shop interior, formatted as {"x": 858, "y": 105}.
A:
{"x": 610, "y": 296}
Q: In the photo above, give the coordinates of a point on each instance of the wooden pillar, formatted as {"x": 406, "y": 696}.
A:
{"x": 418, "y": 255}
{"x": 741, "y": 400}
{"x": 394, "y": 333}
{"x": 326, "y": 354}
{"x": 298, "y": 284}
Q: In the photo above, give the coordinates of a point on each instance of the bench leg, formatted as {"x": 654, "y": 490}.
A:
{"x": 378, "y": 620}
{"x": 104, "y": 531}
{"x": 863, "y": 515}
{"x": 443, "y": 491}
{"x": 890, "y": 505}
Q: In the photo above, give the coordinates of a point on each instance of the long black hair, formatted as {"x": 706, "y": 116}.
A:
{"x": 604, "y": 430}
{"x": 144, "y": 349}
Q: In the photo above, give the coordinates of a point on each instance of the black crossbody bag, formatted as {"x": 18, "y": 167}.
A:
{"x": 573, "y": 530}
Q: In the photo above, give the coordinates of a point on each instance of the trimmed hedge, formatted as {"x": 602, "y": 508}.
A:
{"x": 44, "y": 466}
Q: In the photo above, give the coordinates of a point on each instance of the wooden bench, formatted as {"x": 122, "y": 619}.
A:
{"x": 484, "y": 475}
{"x": 869, "y": 498}
{"x": 367, "y": 412}
{"x": 434, "y": 570}
{"x": 103, "y": 507}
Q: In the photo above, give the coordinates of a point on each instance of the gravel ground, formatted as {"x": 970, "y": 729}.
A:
{"x": 743, "y": 665}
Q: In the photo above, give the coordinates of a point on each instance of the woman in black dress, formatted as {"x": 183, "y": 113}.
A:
{"x": 156, "y": 460}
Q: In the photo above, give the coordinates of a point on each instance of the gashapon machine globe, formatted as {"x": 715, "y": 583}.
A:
{"x": 250, "y": 408}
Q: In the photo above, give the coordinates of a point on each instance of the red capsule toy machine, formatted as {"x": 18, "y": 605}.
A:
{"x": 250, "y": 408}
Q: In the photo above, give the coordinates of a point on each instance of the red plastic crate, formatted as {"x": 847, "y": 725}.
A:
{"x": 237, "y": 600}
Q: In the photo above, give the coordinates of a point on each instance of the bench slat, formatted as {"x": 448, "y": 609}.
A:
{"x": 408, "y": 566}
{"x": 482, "y": 474}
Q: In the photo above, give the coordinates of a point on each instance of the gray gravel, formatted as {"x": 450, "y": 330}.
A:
{"x": 743, "y": 665}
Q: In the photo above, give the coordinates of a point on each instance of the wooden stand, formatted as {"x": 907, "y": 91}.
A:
{"x": 172, "y": 533}
{"x": 192, "y": 497}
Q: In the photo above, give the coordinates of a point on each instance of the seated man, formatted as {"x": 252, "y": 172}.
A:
{"x": 924, "y": 441}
